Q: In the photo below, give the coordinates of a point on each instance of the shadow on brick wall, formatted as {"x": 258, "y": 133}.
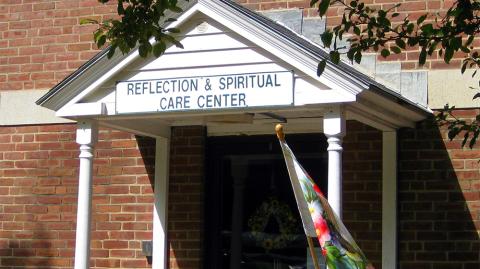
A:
{"x": 41, "y": 250}
{"x": 362, "y": 188}
{"x": 146, "y": 145}
{"x": 185, "y": 205}
{"x": 438, "y": 201}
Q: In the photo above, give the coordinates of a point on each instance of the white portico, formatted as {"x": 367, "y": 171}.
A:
{"x": 239, "y": 73}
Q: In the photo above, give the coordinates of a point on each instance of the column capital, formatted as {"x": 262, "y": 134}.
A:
{"x": 334, "y": 143}
{"x": 87, "y": 132}
{"x": 334, "y": 122}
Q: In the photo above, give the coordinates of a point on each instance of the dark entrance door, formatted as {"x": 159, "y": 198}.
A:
{"x": 251, "y": 216}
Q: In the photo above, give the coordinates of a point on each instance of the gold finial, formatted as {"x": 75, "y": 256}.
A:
{"x": 280, "y": 133}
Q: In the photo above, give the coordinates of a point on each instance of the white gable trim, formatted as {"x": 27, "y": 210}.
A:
{"x": 304, "y": 62}
{"x": 340, "y": 83}
{"x": 125, "y": 62}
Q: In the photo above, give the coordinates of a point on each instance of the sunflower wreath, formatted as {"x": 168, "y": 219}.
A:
{"x": 287, "y": 224}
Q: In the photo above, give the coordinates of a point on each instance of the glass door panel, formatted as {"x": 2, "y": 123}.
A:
{"x": 252, "y": 219}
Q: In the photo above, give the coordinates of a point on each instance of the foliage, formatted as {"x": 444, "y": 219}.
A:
{"x": 139, "y": 21}
{"x": 469, "y": 129}
{"x": 368, "y": 29}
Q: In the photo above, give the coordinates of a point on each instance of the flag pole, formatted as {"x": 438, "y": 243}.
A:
{"x": 281, "y": 137}
{"x": 312, "y": 252}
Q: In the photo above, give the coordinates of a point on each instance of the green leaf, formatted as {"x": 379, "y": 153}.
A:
{"x": 111, "y": 51}
{"x": 350, "y": 54}
{"x": 427, "y": 29}
{"x": 432, "y": 47}
{"x": 469, "y": 40}
{"x": 323, "y": 7}
{"x": 120, "y": 9}
{"x": 88, "y": 21}
{"x": 358, "y": 57}
{"x": 465, "y": 138}
{"x": 410, "y": 28}
{"x": 326, "y": 38}
{"x": 159, "y": 48}
{"x": 177, "y": 44}
{"x": 412, "y": 41}
{"x": 97, "y": 34}
{"x": 101, "y": 41}
{"x": 453, "y": 132}
{"x": 464, "y": 67}
{"x": 421, "y": 19}
{"x": 464, "y": 49}
{"x": 175, "y": 9}
{"x": 473, "y": 140}
{"x": 335, "y": 56}
{"x": 448, "y": 54}
{"x": 385, "y": 53}
{"x": 400, "y": 43}
{"x": 423, "y": 57}
{"x": 396, "y": 49}
{"x": 321, "y": 67}
{"x": 456, "y": 43}
{"x": 173, "y": 30}
{"x": 144, "y": 49}
{"x": 356, "y": 30}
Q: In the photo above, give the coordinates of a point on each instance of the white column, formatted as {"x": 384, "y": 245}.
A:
{"x": 160, "y": 212}
{"x": 334, "y": 130}
{"x": 389, "y": 200}
{"x": 87, "y": 133}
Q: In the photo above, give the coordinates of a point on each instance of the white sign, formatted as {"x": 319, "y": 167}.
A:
{"x": 205, "y": 92}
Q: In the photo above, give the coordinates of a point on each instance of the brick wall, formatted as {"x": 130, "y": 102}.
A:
{"x": 38, "y": 196}
{"x": 185, "y": 215}
{"x": 41, "y": 41}
{"x": 362, "y": 188}
{"x": 439, "y": 195}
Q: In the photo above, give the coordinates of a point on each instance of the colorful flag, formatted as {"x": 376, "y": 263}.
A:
{"x": 319, "y": 220}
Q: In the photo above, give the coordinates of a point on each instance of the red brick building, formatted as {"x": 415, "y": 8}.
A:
{"x": 400, "y": 173}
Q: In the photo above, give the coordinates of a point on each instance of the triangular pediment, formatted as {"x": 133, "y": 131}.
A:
{"x": 223, "y": 43}
{"x": 211, "y": 51}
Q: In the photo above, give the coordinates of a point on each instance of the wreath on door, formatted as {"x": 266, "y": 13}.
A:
{"x": 282, "y": 214}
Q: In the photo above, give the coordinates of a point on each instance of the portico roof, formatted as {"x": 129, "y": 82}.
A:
{"x": 254, "y": 43}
